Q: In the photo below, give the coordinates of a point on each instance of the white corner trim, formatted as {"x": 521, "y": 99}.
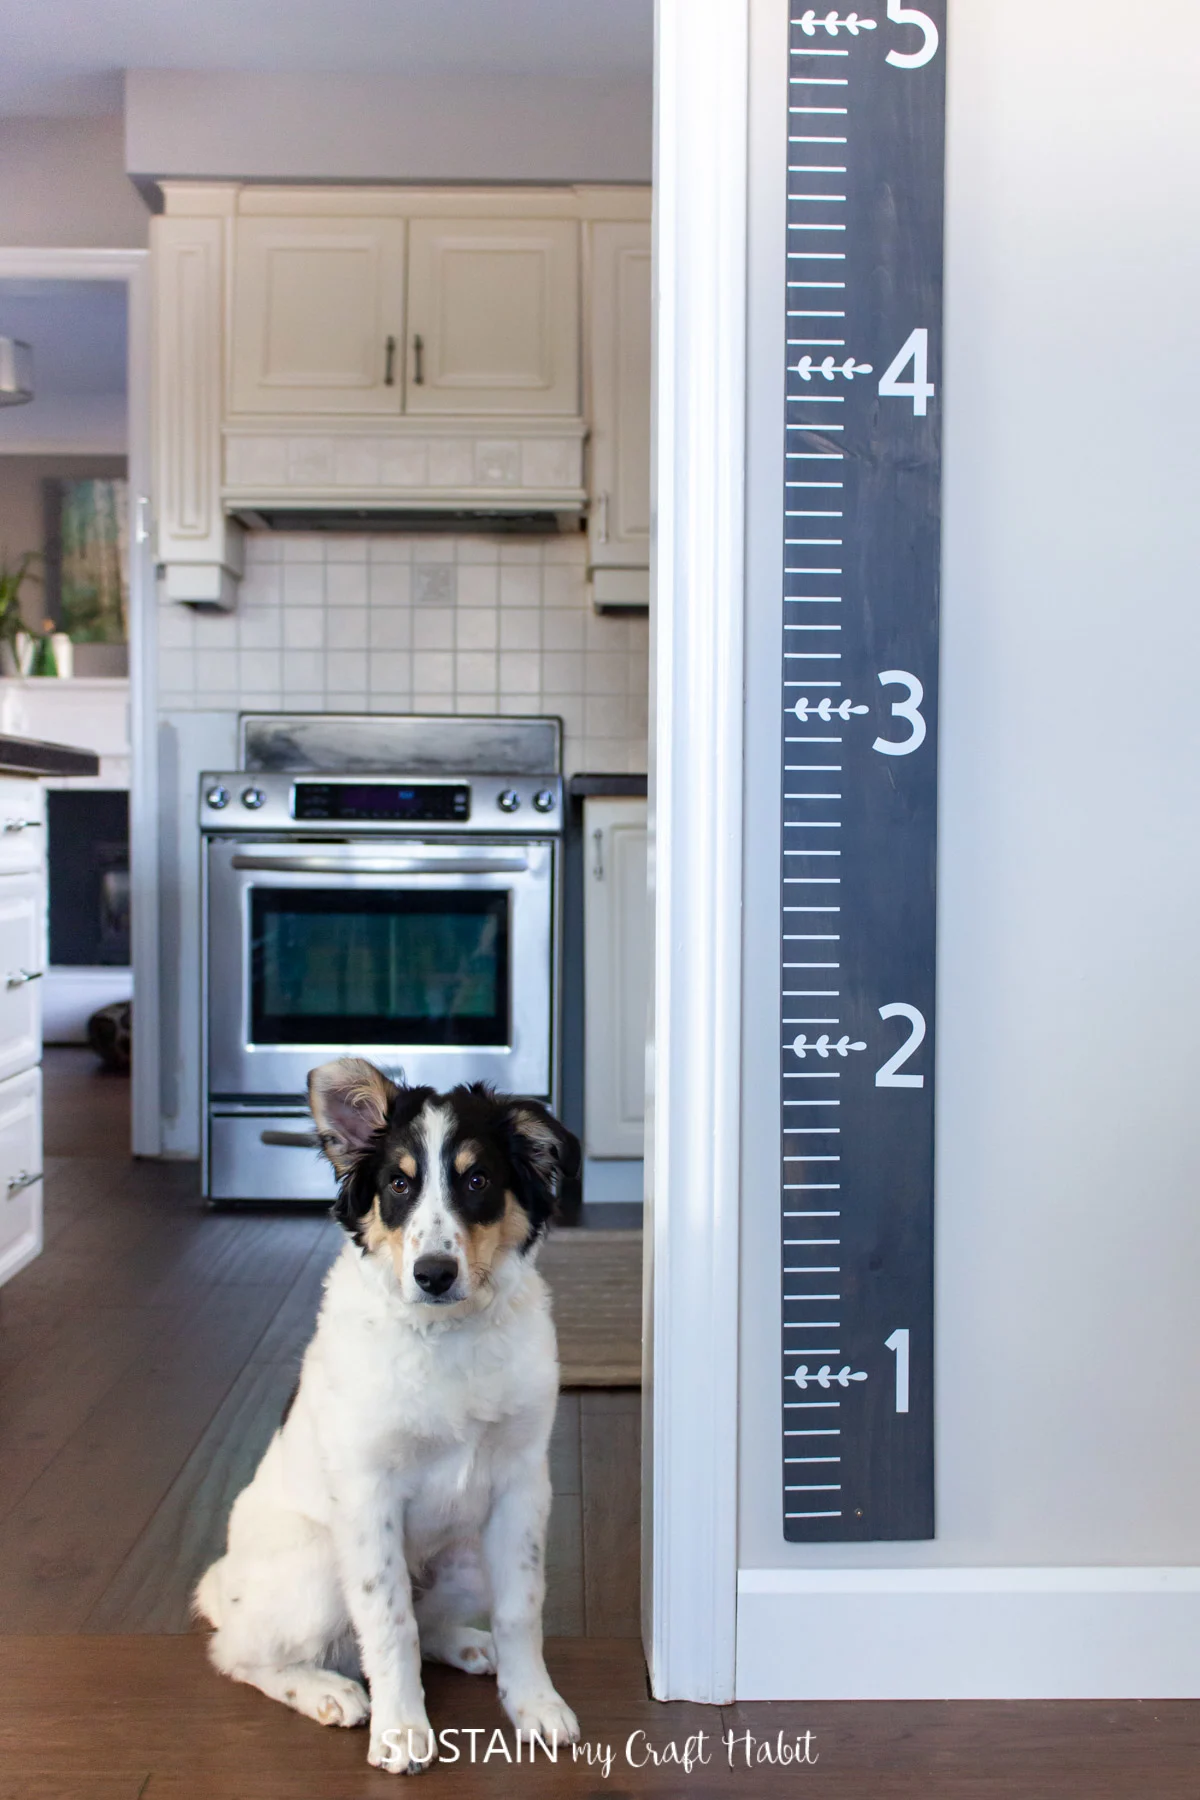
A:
{"x": 969, "y": 1634}
{"x": 696, "y": 812}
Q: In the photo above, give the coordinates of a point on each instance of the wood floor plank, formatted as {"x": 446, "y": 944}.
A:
{"x": 151, "y": 1590}
{"x": 610, "y": 1458}
{"x": 65, "y": 1539}
{"x": 289, "y": 1332}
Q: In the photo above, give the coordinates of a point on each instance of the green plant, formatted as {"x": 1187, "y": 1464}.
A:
{"x": 13, "y": 576}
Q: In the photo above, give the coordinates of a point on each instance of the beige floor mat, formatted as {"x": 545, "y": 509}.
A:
{"x": 595, "y": 1280}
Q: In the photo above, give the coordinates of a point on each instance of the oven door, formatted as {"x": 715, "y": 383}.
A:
{"x": 436, "y": 959}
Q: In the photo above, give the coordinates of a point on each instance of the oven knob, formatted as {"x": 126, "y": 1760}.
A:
{"x": 253, "y": 798}
{"x": 544, "y": 800}
{"x": 217, "y": 797}
{"x": 508, "y": 800}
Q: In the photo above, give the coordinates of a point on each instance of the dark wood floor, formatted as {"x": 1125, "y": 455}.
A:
{"x": 145, "y": 1359}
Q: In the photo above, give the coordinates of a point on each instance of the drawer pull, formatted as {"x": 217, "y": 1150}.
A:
{"x": 21, "y": 976}
{"x": 295, "y": 1140}
{"x": 18, "y": 825}
{"x": 18, "y": 1183}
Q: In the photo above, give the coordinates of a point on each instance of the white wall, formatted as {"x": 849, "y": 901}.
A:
{"x": 63, "y": 183}
{"x": 434, "y": 128}
{"x": 1068, "y": 1137}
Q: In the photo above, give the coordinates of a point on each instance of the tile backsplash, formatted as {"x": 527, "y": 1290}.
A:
{"x": 393, "y": 623}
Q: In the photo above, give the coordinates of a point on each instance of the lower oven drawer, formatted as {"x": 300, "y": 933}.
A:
{"x": 247, "y": 1162}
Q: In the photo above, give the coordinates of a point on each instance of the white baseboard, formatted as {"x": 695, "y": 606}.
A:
{"x": 969, "y": 1634}
{"x": 71, "y": 994}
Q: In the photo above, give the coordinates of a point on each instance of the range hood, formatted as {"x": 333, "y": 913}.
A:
{"x": 334, "y": 516}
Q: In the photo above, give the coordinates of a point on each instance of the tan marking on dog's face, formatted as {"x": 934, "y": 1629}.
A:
{"x": 464, "y": 1157}
{"x": 484, "y": 1243}
{"x": 408, "y": 1164}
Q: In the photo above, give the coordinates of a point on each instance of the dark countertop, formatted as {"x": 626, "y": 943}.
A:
{"x": 29, "y": 756}
{"x": 591, "y": 787}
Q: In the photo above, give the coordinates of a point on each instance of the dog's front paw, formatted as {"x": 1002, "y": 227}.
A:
{"x": 543, "y": 1712}
{"x": 402, "y": 1749}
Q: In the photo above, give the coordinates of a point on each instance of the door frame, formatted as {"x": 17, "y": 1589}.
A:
{"x": 693, "y": 1151}
{"x": 133, "y": 268}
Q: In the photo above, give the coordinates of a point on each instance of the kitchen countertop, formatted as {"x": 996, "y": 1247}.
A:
{"x": 29, "y": 756}
{"x": 592, "y": 787}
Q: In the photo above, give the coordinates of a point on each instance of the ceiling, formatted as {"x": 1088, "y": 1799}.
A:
{"x": 68, "y": 58}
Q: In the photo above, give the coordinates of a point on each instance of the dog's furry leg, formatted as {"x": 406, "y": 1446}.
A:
{"x": 514, "y": 1544}
{"x": 451, "y": 1613}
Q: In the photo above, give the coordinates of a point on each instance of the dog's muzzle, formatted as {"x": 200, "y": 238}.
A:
{"x": 435, "y": 1275}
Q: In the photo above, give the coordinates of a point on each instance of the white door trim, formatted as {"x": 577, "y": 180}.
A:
{"x": 133, "y": 268}
{"x": 693, "y": 1112}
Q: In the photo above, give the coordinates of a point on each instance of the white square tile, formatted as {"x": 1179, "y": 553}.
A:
{"x": 346, "y": 584}
{"x": 563, "y": 586}
{"x": 432, "y": 630}
{"x": 304, "y": 584}
{"x": 391, "y": 584}
{"x": 519, "y": 672}
{"x": 432, "y": 549}
{"x": 567, "y": 707}
{"x": 346, "y": 671}
{"x": 303, "y": 547}
{"x": 389, "y": 547}
{"x": 304, "y": 629}
{"x": 259, "y": 627}
{"x": 637, "y": 673}
{"x": 215, "y": 631}
{"x": 346, "y": 629}
{"x": 637, "y": 628}
{"x": 605, "y": 631}
{"x": 475, "y": 672}
{"x": 520, "y": 586}
{"x": 263, "y": 547}
{"x": 391, "y": 630}
{"x": 478, "y": 584}
{"x": 515, "y": 551}
{"x": 260, "y": 699}
{"x": 175, "y": 628}
{"x": 521, "y": 629}
{"x": 566, "y": 547}
{"x": 303, "y": 671}
{"x": 639, "y": 720}
{"x": 390, "y": 672}
{"x": 476, "y": 547}
{"x": 606, "y": 715}
{"x": 217, "y": 671}
{"x": 605, "y": 672}
{"x": 433, "y": 674}
{"x": 434, "y": 584}
{"x": 561, "y": 630}
{"x": 177, "y": 670}
{"x": 391, "y": 700}
{"x": 259, "y": 669}
{"x": 346, "y": 547}
{"x": 562, "y": 671}
{"x": 476, "y": 628}
{"x": 516, "y": 706}
{"x": 261, "y": 586}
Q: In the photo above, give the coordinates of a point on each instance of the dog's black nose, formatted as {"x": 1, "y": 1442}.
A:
{"x": 434, "y": 1274}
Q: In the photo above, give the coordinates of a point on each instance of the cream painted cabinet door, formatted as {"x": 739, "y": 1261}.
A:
{"x": 619, "y": 378}
{"x": 318, "y": 316}
{"x": 22, "y": 967}
{"x": 616, "y": 977}
{"x": 20, "y": 1171}
{"x": 493, "y": 316}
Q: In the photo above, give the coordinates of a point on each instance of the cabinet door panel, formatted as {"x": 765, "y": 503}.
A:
{"x": 20, "y": 1171}
{"x": 315, "y": 302}
{"x": 493, "y": 316}
{"x": 619, "y": 284}
{"x": 22, "y": 964}
{"x": 616, "y": 977}
{"x": 22, "y": 823}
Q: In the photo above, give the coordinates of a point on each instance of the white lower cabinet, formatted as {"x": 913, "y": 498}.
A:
{"x": 22, "y": 967}
{"x": 616, "y": 977}
{"x": 20, "y": 1170}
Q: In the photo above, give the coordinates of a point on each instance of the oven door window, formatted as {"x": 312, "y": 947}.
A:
{"x": 336, "y": 966}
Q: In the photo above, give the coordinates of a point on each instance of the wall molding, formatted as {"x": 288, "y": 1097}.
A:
{"x": 997, "y": 1633}
{"x": 694, "y": 1106}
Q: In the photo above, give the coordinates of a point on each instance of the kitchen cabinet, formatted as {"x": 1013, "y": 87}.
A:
{"x": 493, "y": 316}
{"x": 22, "y": 963}
{"x": 20, "y": 1171}
{"x": 318, "y": 316}
{"x": 616, "y": 927}
{"x": 22, "y": 966}
{"x": 619, "y": 311}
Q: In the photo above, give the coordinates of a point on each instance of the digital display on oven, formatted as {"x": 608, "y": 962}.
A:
{"x": 380, "y": 800}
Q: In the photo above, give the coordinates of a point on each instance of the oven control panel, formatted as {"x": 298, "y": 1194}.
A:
{"x": 529, "y": 805}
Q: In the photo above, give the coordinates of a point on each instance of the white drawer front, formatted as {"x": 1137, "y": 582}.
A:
{"x": 20, "y": 1171}
{"x": 22, "y": 825}
{"x": 22, "y": 962}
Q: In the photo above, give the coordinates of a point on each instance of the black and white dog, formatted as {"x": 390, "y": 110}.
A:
{"x": 403, "y": 1501}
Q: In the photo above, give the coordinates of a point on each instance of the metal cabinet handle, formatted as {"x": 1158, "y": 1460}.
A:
{"x": 294, "y": 1140}
{"x": 418, "y": 360}
{"x": 381, "y": 865}
{"x": 141, "y": 530}
{"x": 598, "y": 858}
{"x": 21, "y": 976}
{"x": 18, "y": 1183}
{"x": 389, "y": 365}
{"x": 602, "y": 518}
{"x": 18, "y": 825}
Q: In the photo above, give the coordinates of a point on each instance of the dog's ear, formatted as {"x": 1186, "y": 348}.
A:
{"x": 350, "y": 1100}
{"x": 543, "y": 1153}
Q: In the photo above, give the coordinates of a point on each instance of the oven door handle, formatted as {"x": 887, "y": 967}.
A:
{"x": 399, "y": 865}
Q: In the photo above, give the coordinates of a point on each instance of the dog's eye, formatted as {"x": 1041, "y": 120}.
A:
{"x": 477, "y": 1181}
{"x": 399, "y": 1184}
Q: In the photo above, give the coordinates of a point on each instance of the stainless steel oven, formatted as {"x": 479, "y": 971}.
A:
{"x": 410, "y": 921}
